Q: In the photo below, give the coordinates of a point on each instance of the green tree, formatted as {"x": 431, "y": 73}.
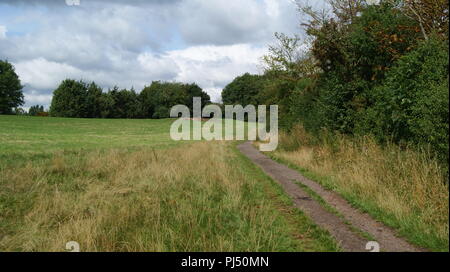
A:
{"x": 19, "y": 111}
{"x": 157, "y": 99}
{"x": 11, "y": 95}
{"x": 77, "y": 99}
{"x": 35, "y": 110}
{"x": 412, "y": 104}
{"x": 123, "y": 104}
{"x": 69, "y": 99}
{"x": 106, "y": 105}
{"x": 243, "y": 90}
{"x": 287, "y": 70}
{"x": 193, "y": 90}
{"x": 93, "y": 101}
{"x": 354, "y": 59}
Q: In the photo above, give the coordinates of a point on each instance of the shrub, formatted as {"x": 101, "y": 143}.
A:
{"x": 412, "y": 105}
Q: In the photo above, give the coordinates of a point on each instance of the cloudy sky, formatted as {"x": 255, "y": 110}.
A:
{"x": 130, "y": 43}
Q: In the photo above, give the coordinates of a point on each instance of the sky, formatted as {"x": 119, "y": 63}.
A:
{"x": 131, "y": 43}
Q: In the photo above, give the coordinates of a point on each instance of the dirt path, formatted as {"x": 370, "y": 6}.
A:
{"x": 349, "y": 240}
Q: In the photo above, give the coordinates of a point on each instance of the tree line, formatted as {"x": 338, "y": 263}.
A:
{"x": 371, "y": 69}
{"x": 79, "y": 99}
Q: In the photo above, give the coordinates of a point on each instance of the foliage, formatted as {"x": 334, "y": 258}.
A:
{"x": 354, "y": 59}
{"x": 288, "y": 58}
{"x": 93, "y": 101}
{"x": 11, "y": 95}
{"x": 243, "y": 90}
{"x": 376, "y": 69}
{"x": 431, "y": 15}
{"x": 78, "y": 99}
{"x": 35, "y": 110}
{"x": 19, "y": 111}
{"x": 412, "y": 104}
{"x": 69, "y": 99}
{"x": 120, "y": 104}
{"x": 159, "y": 97}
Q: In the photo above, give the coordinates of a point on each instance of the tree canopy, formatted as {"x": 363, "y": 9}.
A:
{"x": 159, "y": 97}
{"x": 243, "y": 90}
{"x": 36, "y": 110}
{"x": 11, "y": 95}
{"x": 78, "y": 99}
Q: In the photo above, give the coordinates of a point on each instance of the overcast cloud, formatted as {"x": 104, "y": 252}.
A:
{"x": 131, "y": 43}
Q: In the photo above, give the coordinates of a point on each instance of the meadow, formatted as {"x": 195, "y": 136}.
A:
{"x": 124, "y": 185}
{"x": 26, "y": 135}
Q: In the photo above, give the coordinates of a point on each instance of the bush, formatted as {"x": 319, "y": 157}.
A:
{"x": 354, "y": 59}
{"x": 412, "y": 105}
{"x": 42, "y": 114}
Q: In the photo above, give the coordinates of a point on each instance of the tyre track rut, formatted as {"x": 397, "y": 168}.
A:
{"x": 348, "y": 239}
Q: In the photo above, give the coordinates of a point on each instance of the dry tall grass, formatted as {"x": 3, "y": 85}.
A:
{"x": 403, "y": 188}
{"x": 194, "y": 198}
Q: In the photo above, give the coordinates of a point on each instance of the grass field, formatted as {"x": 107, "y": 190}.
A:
{"x": 402, "y": 188}
{"x": 24, "y": 134}
{"x": 123, "y": 185}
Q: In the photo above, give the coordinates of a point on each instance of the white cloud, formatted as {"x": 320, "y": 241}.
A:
{"x": 35, "y": 98}
{"x": 212, "y": 67}
{"x": 223, "y": 22}
{"x": 214, "y": 93}
{"x": 3, "y": 31}
{"x": 43, "y": 74}
{"x": 158, "y": 67}
{"x": 132, "y": 43}
{"x": 272, "y": 8}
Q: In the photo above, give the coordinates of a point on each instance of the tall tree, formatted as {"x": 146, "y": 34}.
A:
{"x": 93, "y": 100}
{"x": 193, "y": 90}
{"x": 11, "y": 95}
{"x": 69, "y": 99}
{"x": 35, "y": 110}
{"x": 243, "y": 90}
{"x": 157, "y": 99}
{"x": 121, "y": 104}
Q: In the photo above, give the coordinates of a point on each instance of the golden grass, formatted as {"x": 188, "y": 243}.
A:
{"x": 403, "y": 188}
{"x": 195, "y": 198}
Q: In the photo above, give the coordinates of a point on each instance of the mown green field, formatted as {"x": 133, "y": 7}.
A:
{"x": 124, "y": 185}
{"x": 24, "y": 134}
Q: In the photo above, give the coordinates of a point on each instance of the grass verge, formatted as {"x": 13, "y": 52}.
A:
{"x": 400, "y": 187}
